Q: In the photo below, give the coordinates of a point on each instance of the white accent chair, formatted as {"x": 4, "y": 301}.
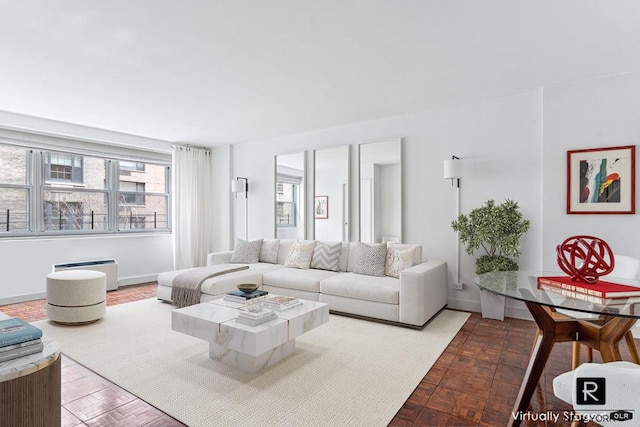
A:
{"x": 622, "y": 381}
{"x": 626, "y": 266}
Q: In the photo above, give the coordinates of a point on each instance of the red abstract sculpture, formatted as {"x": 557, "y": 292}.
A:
{"x": 585, "y": 258}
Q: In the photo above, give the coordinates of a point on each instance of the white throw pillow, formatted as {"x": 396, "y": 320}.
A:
{"x": 326, "y": 256}
{"x": 370, "y": 259}
{"x": 398, "y": 260}
{"x": 246, "y": 252}
{"x": 300, "y": 254}
{"x": 269, "y": 251}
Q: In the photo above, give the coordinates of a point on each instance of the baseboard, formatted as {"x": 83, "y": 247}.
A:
{"x": 136, "y": 280}
{"x": 464, "y": 305}
{"x": 23, "y": 298}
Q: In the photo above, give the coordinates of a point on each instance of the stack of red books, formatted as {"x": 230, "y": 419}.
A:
{"x": 593, "y": 292}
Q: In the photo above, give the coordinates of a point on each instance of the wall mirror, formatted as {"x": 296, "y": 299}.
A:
{"x": 290, "y": 196}
{"x": 381, "y": 191}
{"x": 331, "y": 197}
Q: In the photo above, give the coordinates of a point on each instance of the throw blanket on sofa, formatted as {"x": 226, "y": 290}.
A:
{"x": 185, "y": 287}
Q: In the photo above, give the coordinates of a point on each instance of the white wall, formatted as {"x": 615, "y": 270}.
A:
{"x": 594, "y": 113}
{"x": 26, "y": 262}
{"x": 503, "y": 136}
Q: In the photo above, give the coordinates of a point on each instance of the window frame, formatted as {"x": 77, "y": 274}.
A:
{"x": 28, "y": 186}
{"x": 167, "y": 194}
{"x": 38, "y": 181}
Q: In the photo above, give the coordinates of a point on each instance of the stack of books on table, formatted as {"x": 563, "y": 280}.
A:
{"x": 601, "y": 289}
{"x": 244, "y": 297}
{"x": 254, "y": 315}
{"x": 280, "y": 302}
{"x": 18, "y": 338}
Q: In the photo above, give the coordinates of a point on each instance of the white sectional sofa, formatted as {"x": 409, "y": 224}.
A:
{"x": 411, "y": 300}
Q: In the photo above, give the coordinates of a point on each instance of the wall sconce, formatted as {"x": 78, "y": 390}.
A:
{"x": 453, "y": 170}
{"x": 241, "y": 185}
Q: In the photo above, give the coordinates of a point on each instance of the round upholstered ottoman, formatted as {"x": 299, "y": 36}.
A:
{"x": 76, "y": 296}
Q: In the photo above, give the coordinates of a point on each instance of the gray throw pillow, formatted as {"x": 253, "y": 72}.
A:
{"x": 246, "y": 252}
{"x": 269, "y": 251}
{"x": 326, "y": 256}
{"x": 370, "y": 259}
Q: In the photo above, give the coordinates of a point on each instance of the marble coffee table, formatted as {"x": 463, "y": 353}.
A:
{"x": 248, "y": 347}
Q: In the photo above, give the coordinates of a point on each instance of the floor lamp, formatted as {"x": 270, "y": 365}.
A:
{"x": 241, "y": 185}
{"x": 453, "y": 171}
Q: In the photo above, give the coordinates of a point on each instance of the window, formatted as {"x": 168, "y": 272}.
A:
{"x": 143, "y": 198}
{"x": 46, "y": 192}
{"x": 74, "y": 193}
{"x": 132, "y": 198}
{"x": 63, "y": 216}
{"x": 15, "y": 189}
{"x": 286, "y": 202}
{"x": 62, "y": 167}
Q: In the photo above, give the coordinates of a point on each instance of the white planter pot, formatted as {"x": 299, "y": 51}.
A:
{"x": 492, "y": 305}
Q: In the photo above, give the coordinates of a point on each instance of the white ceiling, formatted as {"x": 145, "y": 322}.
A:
{"x": 212, "y": 71}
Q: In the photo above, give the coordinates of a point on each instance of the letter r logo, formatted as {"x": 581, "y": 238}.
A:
{"x": 590, "y": 391}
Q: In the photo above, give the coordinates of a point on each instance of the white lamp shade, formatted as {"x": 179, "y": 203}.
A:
{"x": 452, "y": 169}
{"x": 238, "y": 185}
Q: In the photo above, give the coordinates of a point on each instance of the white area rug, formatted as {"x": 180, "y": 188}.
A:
{"x": 346, "y": 372}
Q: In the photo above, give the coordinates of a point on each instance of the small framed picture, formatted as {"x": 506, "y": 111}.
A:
{"x": 601, "y": 180}
{"x": 322, "y": 207}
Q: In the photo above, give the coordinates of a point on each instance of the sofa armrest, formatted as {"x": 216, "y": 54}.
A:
{"x": 423, "y": 292}
{"x": 219, "y": 258}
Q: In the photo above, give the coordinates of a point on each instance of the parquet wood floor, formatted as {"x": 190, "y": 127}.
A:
{"x": 473, "y": 383}
{"x": 87, "y": 398}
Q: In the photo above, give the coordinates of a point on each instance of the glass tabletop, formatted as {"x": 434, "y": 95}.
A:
{"x": 523, "y": 286}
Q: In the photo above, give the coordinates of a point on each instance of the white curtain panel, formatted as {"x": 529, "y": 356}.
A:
{"x": 192, "y": 193}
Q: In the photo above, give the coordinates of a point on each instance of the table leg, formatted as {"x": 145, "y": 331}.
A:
{"x": 633, "y": 350}
{"x": 611, "y": 333}
{"x": 551, "y": 330}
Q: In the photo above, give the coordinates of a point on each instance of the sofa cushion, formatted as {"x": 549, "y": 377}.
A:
{"x": 326, "y": 256}
{"x": 398, "y": 260}
{"x": 417, "y": 258}
{"x": 344, "y": 256}
{"x": 269, "y": 250}
{"x": 300, "y": 254}
{"x": 351, "y": 285}
{"x": 283, "y": 251}
{"x": 246, "y": 252}
{"x": 370, "y": 259}
{"x": 294, "y": 278}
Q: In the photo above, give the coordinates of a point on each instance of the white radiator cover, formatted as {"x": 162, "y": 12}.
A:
{"x": 107, "y": 266}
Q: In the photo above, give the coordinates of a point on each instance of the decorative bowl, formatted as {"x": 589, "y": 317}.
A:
{"x": 248, "y": 287}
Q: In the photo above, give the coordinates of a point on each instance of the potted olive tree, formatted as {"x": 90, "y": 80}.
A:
{"x": 497, "y": 230}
